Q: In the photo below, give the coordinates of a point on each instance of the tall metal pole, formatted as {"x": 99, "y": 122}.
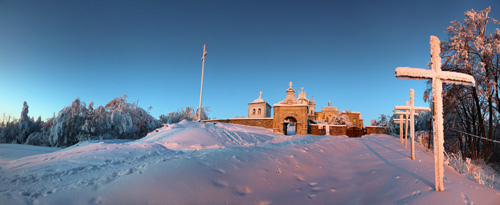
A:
{"x": 201, "y": 89}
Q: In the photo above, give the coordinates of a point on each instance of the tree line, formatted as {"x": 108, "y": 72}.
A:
{"x": 118, "y": 119}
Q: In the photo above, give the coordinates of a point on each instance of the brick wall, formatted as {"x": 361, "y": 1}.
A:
{"x": 257, "y": 122}
{"x": 334, "y": 130}
{"x": 338, "y": 130}
{"x": 374, "y": 130}
{"x": 316, "y": 131}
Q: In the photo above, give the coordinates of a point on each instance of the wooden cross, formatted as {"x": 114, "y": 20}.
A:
{"x": 438, "y": 77}
{"x": 202, "y": 72}
{"x": 412, "y": 113}
{"x": 405, "y": 121}
{"x": 401, "y": 121}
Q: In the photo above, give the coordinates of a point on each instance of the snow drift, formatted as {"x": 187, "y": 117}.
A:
{"x": 194, "y": 163}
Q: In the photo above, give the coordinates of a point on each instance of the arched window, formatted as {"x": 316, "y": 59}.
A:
{"x": 259, "y": 111}
{"x": 253, "y": 113}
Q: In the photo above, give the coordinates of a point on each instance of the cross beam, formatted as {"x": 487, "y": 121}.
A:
{"x": 438, "y": 77}
{"x": 412, "y": 113}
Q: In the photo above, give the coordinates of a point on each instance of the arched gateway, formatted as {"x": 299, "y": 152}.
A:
{"x": 289, "y": 126}
{"x": 289, "y": 109}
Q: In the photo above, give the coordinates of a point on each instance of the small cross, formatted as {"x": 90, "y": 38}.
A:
{"x": 401, "y": 121}
{"x": 412, "y": 113}
{"x": 438, "y": 77}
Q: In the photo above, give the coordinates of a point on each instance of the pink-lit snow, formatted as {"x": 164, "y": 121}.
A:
{"x": 195, "y": 163}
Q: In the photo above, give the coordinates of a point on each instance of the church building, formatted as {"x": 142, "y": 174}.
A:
{"x": 298, "y": 112}
{"x": 295, "y": 114}
{"x": 259, "y": 108}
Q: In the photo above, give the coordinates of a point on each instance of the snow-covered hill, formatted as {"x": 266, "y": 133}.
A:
{"x": 195, "y": 163}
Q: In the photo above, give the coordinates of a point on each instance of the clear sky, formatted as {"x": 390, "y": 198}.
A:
{"x": 54, "y": 51}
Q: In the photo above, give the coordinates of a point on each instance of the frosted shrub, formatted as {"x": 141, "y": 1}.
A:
{"x": 38, "y": 138}
{"x": 423, "y": 137}
{"x": 481, "y": 173}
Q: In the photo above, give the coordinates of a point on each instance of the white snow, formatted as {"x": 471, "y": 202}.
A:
{"x": 195, "y": 163}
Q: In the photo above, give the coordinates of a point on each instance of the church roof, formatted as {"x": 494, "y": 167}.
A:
{"x": 290, "y": 98}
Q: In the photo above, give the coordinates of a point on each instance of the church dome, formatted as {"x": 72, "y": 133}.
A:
{"x": 259, "y": 99}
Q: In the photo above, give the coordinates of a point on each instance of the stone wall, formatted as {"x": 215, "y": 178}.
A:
{"x": 336, "y": 130}
{"x": 374, "y": 130}
{"x": 316, "y": 131}
{"x": 257, "y": 122}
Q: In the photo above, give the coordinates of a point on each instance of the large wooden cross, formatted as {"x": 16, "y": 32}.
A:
{"x": 412, "y": 113}
{"x": 438, "y": 77}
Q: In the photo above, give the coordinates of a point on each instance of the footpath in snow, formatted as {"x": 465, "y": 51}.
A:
{"x": 195, "y": 163}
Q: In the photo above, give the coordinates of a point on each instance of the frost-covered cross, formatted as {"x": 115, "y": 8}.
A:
{"x": 401, "y": 121}
{"x": 412, "y": 113}
{"x": 438, "y": 77}
{"x": 405, "y": 121}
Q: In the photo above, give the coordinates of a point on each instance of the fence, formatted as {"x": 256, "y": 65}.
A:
{"x": 465, "y": 133}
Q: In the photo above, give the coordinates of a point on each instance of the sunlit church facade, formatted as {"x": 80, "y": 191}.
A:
{"x": 298, "y": 112}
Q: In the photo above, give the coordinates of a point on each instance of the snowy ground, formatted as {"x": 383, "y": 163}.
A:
{"x": 193, "y": 163}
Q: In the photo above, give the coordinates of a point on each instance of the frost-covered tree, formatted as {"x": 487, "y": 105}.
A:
{"x": 469, "y": 49}
{"x": 24, "y": 125}
{"x": 9, "y": 130}
{"x": 117, "y": 120}
{"x": 339, "y": 119}
{"x": 387, "y": 122}
{"x": 423, "y": 121}
{"x": 188, "y": 114}
{"x": 67, "y": 125}
{"x": 382, "y": 121}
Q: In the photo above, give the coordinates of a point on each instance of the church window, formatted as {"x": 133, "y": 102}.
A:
{"x": 253, "y": 113}
{"x": 259, "y": 111}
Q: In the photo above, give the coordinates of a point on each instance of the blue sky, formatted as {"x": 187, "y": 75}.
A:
{"x": 54, "y": 51}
